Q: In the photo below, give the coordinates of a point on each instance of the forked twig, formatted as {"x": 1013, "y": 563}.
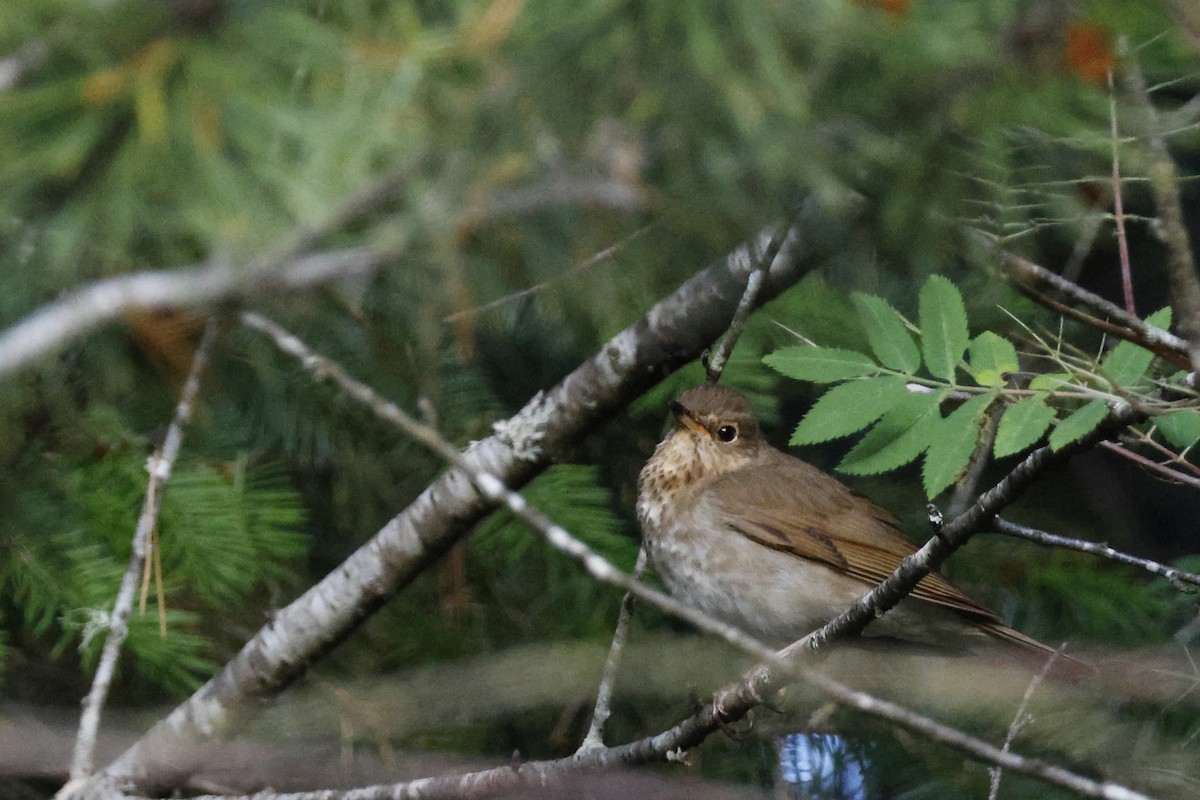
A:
{"x": 595, "y": 735}
{"x": 728, "y": 704}
{"x": 1020, "y": 719}
{"x": 715, "y": 365}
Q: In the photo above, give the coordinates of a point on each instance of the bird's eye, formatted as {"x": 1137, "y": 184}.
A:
{"x": 727, "y": 433}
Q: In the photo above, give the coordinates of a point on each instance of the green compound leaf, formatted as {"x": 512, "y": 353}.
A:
{"x": 1080, "y": 423}
{"x": 889, "y": 338}
{"x": 848, "y": 408}
{"x": 899, "y": 437}
{"x": 943, "y": 320}
{"x": 1053, "y": 382}
{"x": 820, "y": 364}
{"x": 1021, "y": 425}
{"x": 991, "y": 357}
{"x": 1127, "y": 363}
{"x": 953, "y": 444}
{"x": 1181, "y": 428}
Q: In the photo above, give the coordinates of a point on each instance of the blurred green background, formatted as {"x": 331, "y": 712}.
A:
{"x": 529, "y": 136}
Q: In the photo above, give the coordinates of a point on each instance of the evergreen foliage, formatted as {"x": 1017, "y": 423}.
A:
{"x": 523, "y": 138}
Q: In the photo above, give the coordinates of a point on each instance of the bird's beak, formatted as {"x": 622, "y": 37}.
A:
{"x": 686, "y": 418}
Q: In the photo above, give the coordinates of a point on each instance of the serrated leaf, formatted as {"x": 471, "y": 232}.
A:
{"x": 848, "y": 408}
{"x": 1181, "y": 428}
{"x": 820, "y": 364}
{"x": 889, "y": 338}
{"x": 1053, "y": 381}
{"x": 1021, "y": 425}
{"x": 900, "y": 436}
{"x": 1080, "y": 423}
{"x": 991, "y": 357}
{"x": 955, "y": 441}
{"x": 943, "y": 320}
{"x": 1127, "y": 363}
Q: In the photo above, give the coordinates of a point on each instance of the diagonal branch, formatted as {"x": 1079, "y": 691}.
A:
{"x": 688, "y": 733}
{"x": 160, "y": 467}
{"x": 729, "y": 704}
{"x": 1179, "y": 578}
{"x": 673, "y": 332}
{"x": 1035, "y": 281}
{"x": 492, "y": 487}
{"x": 954, "y": 535}
{"x": 84, "y": 310}
{"x": 715, "y": 365}
{"x": 1172, "y": 228}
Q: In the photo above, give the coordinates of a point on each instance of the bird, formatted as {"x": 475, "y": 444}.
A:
{"x": 774, "y": 546}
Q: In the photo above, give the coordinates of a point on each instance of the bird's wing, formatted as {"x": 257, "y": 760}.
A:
{"x": 802, "y": 511}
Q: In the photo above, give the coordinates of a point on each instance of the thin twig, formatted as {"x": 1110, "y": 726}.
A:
{"x": 1020, "y": 720}
{"x": 720, "y": 357}
{"x": 160, "y": 467}
{"x": 728, "y": 705}
{"x": 1030, "y": 279}
{"x": 1152, "y": 465}
{"x": 954, "y": 535}
{"x": 346, "y": 211}
{"x": 586, "y": 264}
{"x": 672, "y": 333}
{"x": 595, "y": 734}
{"x": 1118, "y": 202}
{"x": 492, "y": 487}
{"x": 1175, "y": 458}
{"x": 1179, "y": 578}
{"x": 1172, "y": 227}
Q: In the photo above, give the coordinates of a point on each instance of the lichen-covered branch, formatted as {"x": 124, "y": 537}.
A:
{"x": 672, "y": 333}
{"x": 86, "y": 309}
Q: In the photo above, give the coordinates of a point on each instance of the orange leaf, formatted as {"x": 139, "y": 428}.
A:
{"x": 1089, "y": 51}
{"x": 898, "y": 8}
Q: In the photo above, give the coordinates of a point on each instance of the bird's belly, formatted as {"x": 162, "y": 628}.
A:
{"x": 774, "y": 596}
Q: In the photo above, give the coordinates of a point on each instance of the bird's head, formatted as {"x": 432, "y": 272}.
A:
{"x": 716, "y": 430}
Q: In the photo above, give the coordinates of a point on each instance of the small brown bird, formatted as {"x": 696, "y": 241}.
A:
{"x": 772, "y": 545}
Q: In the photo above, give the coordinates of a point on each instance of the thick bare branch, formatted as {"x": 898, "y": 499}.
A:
{"x": 729, "y": 703}
{"x": 84, "y": 310}
{"x": 674, "y": 332}
{"x": 493, "y": 488}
